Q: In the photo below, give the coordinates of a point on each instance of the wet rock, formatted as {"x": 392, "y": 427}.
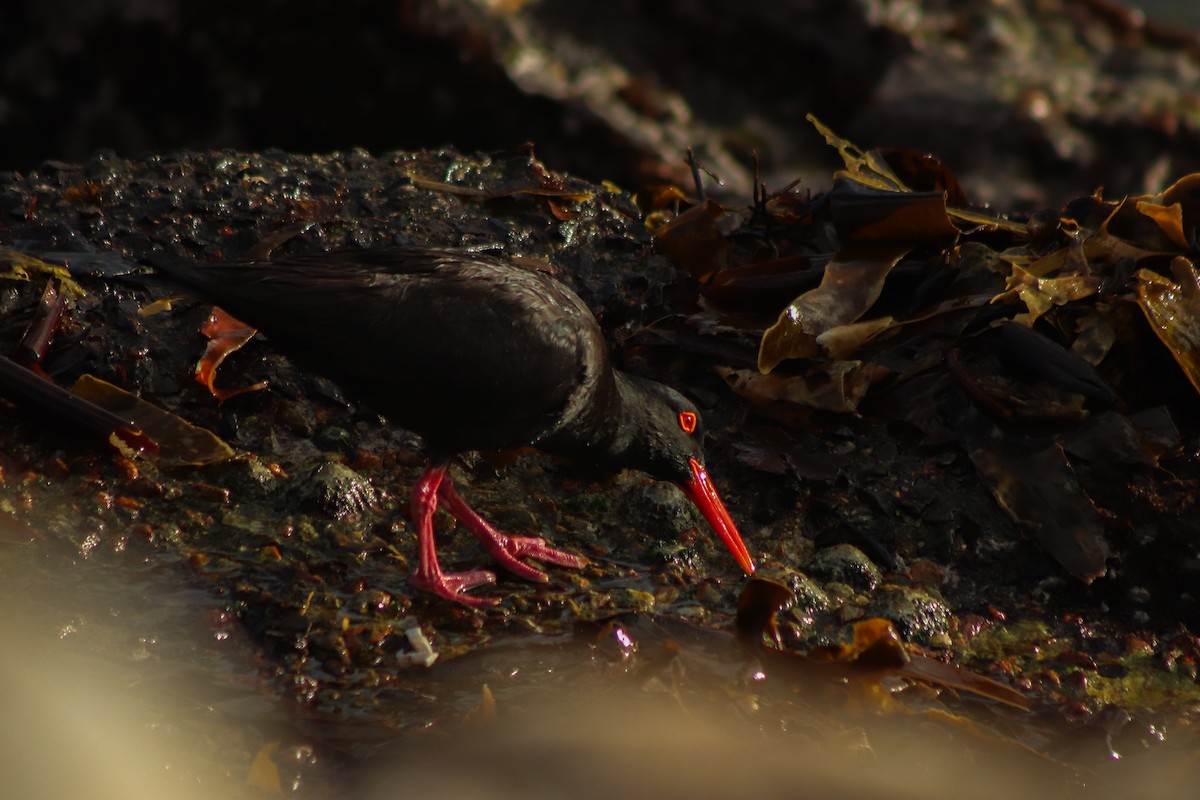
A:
{"x": 673, "y": 553}
{"x": 338, "y": 491}
{"x": 918, "y": 616}
{"x": 334, "y": 438}
{"x": 246, "y": 477}
{"x": 845, "y": 563}
{"x": 661, "y": 509}
{"x": 810, "y": 598}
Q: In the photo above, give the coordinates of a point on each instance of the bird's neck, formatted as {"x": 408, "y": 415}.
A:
{"x": 609, "y": 431}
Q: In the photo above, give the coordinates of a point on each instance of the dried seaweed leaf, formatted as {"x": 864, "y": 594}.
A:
{"x": 925, "y": 172}
{"x": 839, "y": 386}
{"x": 867, "y": 168}
{"x": 931, "y": 670}
{"x": 864, "y": 218}
{"x": 1165, "y": 221}
{"x": 764, "y": 285}
{"x": 1169, "y": 219}
{"x": 15, "y": 265}
{"x": 226, "y": 335}
{"x": 1033, "y": 482}
{"x": 694, "y": 241}
{"x": 1094, "y": 336}
{"x": 1041, "y": 294}
{"x": 876, "y": 646}
{"x": 844, "y": 341}
{"x": 180, "y": 443}
{"x": 162, "y": 305}
{"x": 1115, "y": 438}
{"x": 1173, "y": 311}
{"x": 61, "y": 408}
{"x": 984, "y": 222}
{"x": 852, "y": 282}
{"x": 1176, "y": 211}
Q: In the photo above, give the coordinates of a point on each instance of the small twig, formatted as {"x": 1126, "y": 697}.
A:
{"x": 758, "y": 212}
{"x": 42, "y": 327}
{"x": 697, "y": 167}
{"x": 696, "y": 179}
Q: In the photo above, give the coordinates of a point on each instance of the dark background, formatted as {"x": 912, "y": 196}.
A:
{"x": 146, "y": 75}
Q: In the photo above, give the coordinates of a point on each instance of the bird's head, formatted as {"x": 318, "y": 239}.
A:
{"x": 662, "y": 435}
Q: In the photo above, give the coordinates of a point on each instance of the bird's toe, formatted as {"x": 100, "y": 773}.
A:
{"x": 507, "y": 550}
{"x": 455, "y": 585}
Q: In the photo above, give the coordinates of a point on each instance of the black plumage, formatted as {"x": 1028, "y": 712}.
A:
{"x": 471, "y": 352}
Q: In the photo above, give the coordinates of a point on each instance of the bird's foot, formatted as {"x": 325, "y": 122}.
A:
{"x": 506, "y": 550}
{"x": 455, "y": 585}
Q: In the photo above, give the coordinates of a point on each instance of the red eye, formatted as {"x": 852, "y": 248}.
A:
{"x": 687, "y": 421}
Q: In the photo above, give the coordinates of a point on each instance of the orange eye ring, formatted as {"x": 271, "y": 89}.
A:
{"x": 688, "y": 421}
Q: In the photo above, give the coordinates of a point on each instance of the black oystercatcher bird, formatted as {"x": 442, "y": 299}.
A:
{"x": 472, "y": 353}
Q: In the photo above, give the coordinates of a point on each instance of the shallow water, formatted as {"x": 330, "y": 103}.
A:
{"x": 121, "y": 681}
{"x": 124, "y": 681}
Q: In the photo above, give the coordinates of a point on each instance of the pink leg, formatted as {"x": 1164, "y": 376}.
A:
{"x": 429, "y": 576}
{"x": 504, "y": 548}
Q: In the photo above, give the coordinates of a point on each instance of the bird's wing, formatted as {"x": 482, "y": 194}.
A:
{"x": 472, "y": 351}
